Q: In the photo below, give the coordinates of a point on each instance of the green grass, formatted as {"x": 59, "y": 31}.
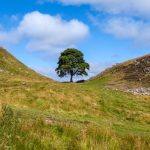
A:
{"x": 40, "y": 114}
{"x": 75, "y": 116}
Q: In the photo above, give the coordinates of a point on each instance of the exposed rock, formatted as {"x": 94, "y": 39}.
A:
{"x": 139, "y": 91}
{"x": 139, "y": 70}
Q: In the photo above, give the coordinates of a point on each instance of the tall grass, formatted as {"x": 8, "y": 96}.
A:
{"x": 12, "y": 134}
{"x": 36, "y": 134}
{"x": 45, "y": 115}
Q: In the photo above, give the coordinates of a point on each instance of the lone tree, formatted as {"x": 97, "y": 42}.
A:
{"x": 71, "y": 62}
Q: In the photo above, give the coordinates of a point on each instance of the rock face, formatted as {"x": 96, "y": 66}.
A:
{"x": 139, "y": 91}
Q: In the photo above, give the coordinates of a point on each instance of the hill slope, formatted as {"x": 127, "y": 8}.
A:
{"x": 38, "y": 113}
{"x": 133, "y": 74}
{"x": 12, "y": 69}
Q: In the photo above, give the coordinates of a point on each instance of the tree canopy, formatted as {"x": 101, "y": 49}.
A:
{"x": 71, "y": 62}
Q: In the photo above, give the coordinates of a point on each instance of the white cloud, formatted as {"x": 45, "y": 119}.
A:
{"x": 46, "y": 32}
{"x": 136, "y": 30}
{"x": 123, "y": 27}
{"x": 120, "y": 20}
{"x": 134, "y": 7}
{"x": 9, "y": 37}
{"x": 128, "y": 28}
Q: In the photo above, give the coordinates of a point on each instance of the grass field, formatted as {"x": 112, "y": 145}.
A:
{"x": 40, "y": 114}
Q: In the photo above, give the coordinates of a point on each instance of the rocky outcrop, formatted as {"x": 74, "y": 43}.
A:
{"x": 132, "y": 76}
{"x": 139, "y": 70}
{"x": 139, "y": 91}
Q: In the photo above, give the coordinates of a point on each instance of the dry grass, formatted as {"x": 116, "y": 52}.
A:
{"x": 39, "y": 113}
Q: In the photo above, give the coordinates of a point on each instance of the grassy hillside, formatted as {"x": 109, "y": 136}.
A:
{"x": 131, "y": 74}
{"x": 38, "y": 113}
{"x": 13, "y": 70}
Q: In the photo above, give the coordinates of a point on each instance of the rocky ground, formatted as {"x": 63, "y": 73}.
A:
{"x": 139, "y": 91}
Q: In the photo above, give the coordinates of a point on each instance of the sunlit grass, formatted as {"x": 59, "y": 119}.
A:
{"x": 40, "y": 114}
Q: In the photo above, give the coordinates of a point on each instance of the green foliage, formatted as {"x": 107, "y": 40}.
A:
{"x": 71, "y": 62}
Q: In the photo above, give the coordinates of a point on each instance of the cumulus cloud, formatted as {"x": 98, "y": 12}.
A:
{"x": 128, "y": 28}
{"x": 136, "y": 30}
{"x": 121, "y": 16}
{"x": 46, "y": 32}
{"x": 123, "y": 27}
{"x": 134, "y": 7}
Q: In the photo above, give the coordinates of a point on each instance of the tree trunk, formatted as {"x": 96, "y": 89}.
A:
{"x": 71, "y": 76}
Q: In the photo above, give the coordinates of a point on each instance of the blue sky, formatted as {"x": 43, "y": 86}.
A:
{"x": 107, "y": 32}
